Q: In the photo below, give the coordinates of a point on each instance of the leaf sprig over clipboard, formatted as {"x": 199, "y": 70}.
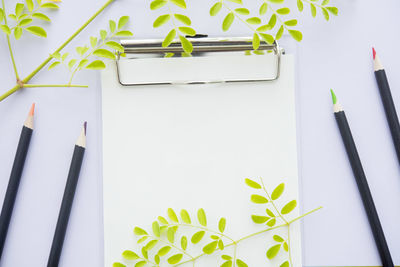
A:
{"x": 170, "y": 237}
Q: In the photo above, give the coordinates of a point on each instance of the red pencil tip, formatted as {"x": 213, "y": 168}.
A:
{"x": 85, "y": 126}
{"x": 373, "y": 52}
{"x": 32, "y": 110}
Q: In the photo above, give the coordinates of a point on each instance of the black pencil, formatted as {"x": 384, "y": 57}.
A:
{"x": 68, "y": 198}
{"x": 15, "y": 177}
{"x": 387, "y": 101}
{"x": 362, "y": 183}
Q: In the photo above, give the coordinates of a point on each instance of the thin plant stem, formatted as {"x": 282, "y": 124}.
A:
{"x": 54, "y": 85}
{"x": 272, "y": 202}
{"x": 47, "y": 60}
{"x": 9, "y": 44}
{"x": 289, "y": 247}
{"x": 203, "y": 228}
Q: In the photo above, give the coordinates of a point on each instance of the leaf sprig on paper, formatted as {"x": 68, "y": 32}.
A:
{"x": 102, "y": 47}
{"x": 172, "y": 237}
{"x": 24, "y": 17}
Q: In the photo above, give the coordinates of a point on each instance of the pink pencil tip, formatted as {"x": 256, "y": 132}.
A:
{"x": 32, "y": 110}
{"x": 373, "y": 52}
{"x": 85, "y": 126}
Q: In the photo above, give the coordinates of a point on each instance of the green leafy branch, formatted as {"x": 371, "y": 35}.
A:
{"x": 180, "y": 23}
{"x": 168, "y": 242}
{"x": 105, "y": 48}
{"x": 314, "y": 4}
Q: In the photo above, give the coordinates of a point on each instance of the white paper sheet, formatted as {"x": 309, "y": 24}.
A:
{"x": 192, "y": 146}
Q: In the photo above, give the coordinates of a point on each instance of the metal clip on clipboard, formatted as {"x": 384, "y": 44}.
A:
{"x": 142, "y": 48}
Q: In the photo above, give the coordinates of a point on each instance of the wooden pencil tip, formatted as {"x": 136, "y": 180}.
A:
{"x": 32, "y": 110}
{"x": 373, "y": 52}
{"x": 334, "y": 99}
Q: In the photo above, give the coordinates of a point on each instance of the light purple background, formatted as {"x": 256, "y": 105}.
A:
{"x": 335, "y": 54}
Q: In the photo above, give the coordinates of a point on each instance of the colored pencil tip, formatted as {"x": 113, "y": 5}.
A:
{"x": 334, "y": 99}
{"x": 32, "y": 110}
{"x": 85, "y": 126}
{"x": 373, "y": 52}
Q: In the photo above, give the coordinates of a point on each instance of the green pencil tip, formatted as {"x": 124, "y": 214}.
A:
{"x": 334, "y": 99}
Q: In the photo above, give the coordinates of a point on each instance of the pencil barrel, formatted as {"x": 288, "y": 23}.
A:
{"x": 13, "y": 184}
{"x": 66, "y": 206}
{"x": 364, "y": 190}
{"x": 390, "y": 109}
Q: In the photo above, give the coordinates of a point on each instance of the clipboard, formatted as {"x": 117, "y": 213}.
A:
{"x": 178, "y": 142}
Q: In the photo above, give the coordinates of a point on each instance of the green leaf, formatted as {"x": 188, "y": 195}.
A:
{"x": 172, "y": 215}
{"x": 187, "y": 30}
{"x": 12, "y": 16}
{"x": 285, "y": 264}
{"x": 175, "y": 258}
{"x": 151, "y": 245}
{"x": 215, "y": 8}
{"x": 103, "y": 34}
{"x": 164, "y": 250}
{"x": 215, "y": 237}
{"x": 140, "y": 264}
{"x": 136, "y": 230}
{"x": 156, "y": 4}
{"x": 162, "y": 220}
{"x": 325, "y": 13}
{"x": 2, "y": 16}
{"x": 253, "y": 20}
{"x": 142, "y": 239}
{"x": 49, "y": 5}
{"x": 179, "y": 3}
{"x": 201, "y": 216}
{"x": 300, "y": 5}
{"x": 285, "y": 247}
{"x": 221, "y": 245}
{"x": 263, "y": 28}
{"x": 169, "y": 38}
{"x": 276, "y": 1}
{"x": 196, "y": 238}
{"x": 161, "y": 20}
{"x": 279, "y": 33}
{"x": 185, "y": 217}
{"x": 29, "y": 5}
{"x": 17, "y": 33}
{"x": 222, "y": 225}
{"x": 289, "y": 207}
{"x": 112, "y": 25}
{"x": 130, "y": 255}
{"x": 252, "y": 184}
{"x": 242, "y": 11}
{"x": 117, "y": 264}
{"x": 226, "y": 257}
{"x": 116, "y": 46}
{"x": 270, "y": 213}
{"x": 81, "y": 50}
{"x": 82, "y": 63}
{"x": 145, "y": 253}
{"x": 72, "y": 63}
{"x": 278, "y": 191}
{"x": 325, "y": 2}
{"x": 24, "y": 22}
{"x": 93, "y": 41}
{"x": 41, "y": 16}
{"x": 64, "y": 56}
{"x": 122, "y": 21}
{"x": 5, "y": 29}
{"x": 259, "y": 219}
{"x": 19, "y": 8}
{"x": 257, "y": 198}
{"x": 124, "y": 33}
{"x": 292, "y": 22}
{"x": 184, "y": 19}
{"x": 39, "y": 31}
{"x": 53, "y": 65}
{"x": 227, "y": 264}
{"x": 333, "y": 10}
{"x": 277, "y": 238}
{"x": 263, "y": 9}
{"x": 104, "y": 53}
{"x": 156, "y": 229}
{"x": 226, "y": 24}
{"x": 157, "y": 259}
{"x": 171, "y": 233}
{"x": 272, "y": 21}
{"x": 267, "y": 37}
{"x": 313, "y": 10}
{"x": 236, "y": 1}
{"x": 283, "y": 11}
{"x": 273, "y": 251}
{"x": 297, "y": 35}
{"x": 271, "y": 222}
{"x": 184, "y": 242}
{"x": 241, "y": 263}
{"x": 210, "y": 247}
